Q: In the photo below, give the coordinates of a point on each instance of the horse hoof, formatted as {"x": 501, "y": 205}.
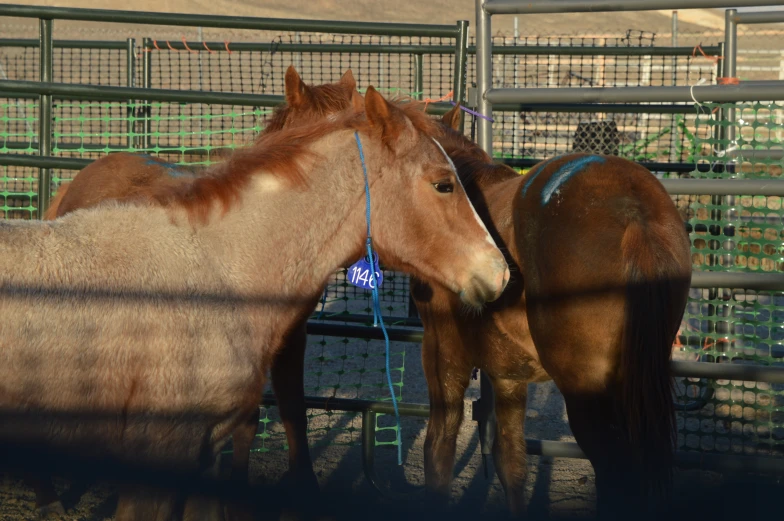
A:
{"x": 51, "y": 510}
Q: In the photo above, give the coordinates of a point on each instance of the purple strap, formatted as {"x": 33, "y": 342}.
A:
{"x": 474, "y": 113}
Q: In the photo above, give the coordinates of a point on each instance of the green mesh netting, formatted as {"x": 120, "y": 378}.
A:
{"x": 734, "y": 233}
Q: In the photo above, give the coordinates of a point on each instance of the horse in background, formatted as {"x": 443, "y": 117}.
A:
{"x": 125, "y": 175}
{"x": 601, "y": 270}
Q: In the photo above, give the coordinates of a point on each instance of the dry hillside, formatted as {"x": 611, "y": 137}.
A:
{"x": 434, "y": 11}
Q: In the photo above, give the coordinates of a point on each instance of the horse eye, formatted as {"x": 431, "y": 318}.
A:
{"x": 444, "y": 187}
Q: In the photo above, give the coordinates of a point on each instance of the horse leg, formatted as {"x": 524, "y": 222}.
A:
{"x": 447, "y": 377}
{"x": 287, "y": 372}
{"x": 593, "y": 423}
{"x": 242, "y": 439}
{"x": 509, "y": 453}
{"x": 207, "y": 507}
{"x": 47, "y": 501}
{"x": 140, "y": 503}
{"x": 242, "y": 442}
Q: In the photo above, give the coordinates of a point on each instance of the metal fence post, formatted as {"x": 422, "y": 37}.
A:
{"x": 461, "y": 58}
{"x": 730, "y": 66}
{"x": 46, "y": 74}
{"x": 419, "y": 72}
{"x": 130, "y": 81}
{"x": 484, "y": 77}
{"x": 147, "y": 84}
{"x": 719, "y": 132}
{"x": 675, "y": 140}
{"x": 484, "y": 408}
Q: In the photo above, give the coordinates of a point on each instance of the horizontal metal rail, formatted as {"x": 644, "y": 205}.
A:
{"x": 599, "y": 6}
{"x": 759, "y": 17}
{"x": 228, "y": 22}
{"x": 769, "y": 187}
{"x": 36, "y": 161}
{"x": 771, "y": 153}
{"x": 68, "y": 91}
{"x": 526, "y": 50}
{"x": 727, "y": 371}
{"x": 567, "y": 50}
{"x": 618, "y": 108}
{"x": 111, "y": 93}
{"x": 738, "y": 280}
{"x": 517, "y": 162}
{"x": 745, "y": 91}
{"x": 66, "y": 44}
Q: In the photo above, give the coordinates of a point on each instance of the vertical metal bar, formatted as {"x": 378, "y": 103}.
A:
{"x": 461, "y": 59}
{"x": 484, "y": 81}
{"x": 419, "y": 72}
{"x": 130, "y": 81}
{"x": 147, "y": 84}
{"x": 484, "y": 77}
{"x": 369, "y": 446}
{"x": 674, "y": 44}
{"x": 483, "y": 412}
{"x": 719, "y": 132}
{"x": 675, "y": 140}
{"x": 46, "y": 63}
{"x": 730, "y": 64}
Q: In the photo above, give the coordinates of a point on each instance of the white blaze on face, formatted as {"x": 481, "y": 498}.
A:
{"x": 476, "y": 215}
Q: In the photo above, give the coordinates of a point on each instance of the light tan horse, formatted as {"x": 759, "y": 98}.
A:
{"x": 142, "y": 332}
{"x": 122, "y": 175}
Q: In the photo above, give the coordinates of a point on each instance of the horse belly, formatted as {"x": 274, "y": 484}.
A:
{"x": 139, "y": 382}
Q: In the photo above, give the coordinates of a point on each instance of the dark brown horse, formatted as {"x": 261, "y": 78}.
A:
{"x": 127, "y": 175}
{"x": 601, "y": 270}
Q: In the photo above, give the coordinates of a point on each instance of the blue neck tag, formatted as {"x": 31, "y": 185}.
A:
{"x": 359, "y": 273}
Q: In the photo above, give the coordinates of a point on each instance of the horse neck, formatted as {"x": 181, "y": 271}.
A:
{"x": 494, "y": 198}
{"x": 287, "y": 241}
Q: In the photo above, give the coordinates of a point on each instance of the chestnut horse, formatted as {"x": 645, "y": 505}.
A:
{"x": 122, "y": 175}
{"x": 141, "y": 332}
{"x": 601, "y": 270}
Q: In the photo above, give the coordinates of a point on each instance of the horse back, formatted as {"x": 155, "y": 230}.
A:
{"x": 118, "y": 176}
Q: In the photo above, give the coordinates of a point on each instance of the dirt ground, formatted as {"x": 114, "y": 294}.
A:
{"x": 556, "y": 488}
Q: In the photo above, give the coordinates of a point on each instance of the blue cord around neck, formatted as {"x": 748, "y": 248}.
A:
{"x": 377, "y": 319}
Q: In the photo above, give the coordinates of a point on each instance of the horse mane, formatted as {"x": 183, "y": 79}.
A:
{"x": 279, "y": 153}
{"x": 474, "y": 166}
{"x": 324, "y": 99}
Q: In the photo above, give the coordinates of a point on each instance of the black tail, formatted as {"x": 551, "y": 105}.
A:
{"x": 656, "y": 294}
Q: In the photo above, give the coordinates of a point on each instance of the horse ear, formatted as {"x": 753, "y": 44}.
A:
{"x": 347, "y": 80}
{"x": 297, "y": 93}
{"x": 452, "y": 118}
{"x": 357, "y": 102}
{"x": 397, "y": 132}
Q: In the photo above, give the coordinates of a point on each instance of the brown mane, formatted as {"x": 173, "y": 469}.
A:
{"x": 473, "y": 165}
{"x": 279, "y": 153}
{"x": 323, "y": 100}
